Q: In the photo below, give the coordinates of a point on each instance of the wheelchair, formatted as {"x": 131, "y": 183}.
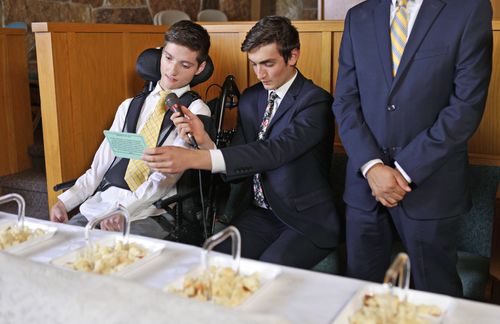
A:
{"x": 192, "y": 207}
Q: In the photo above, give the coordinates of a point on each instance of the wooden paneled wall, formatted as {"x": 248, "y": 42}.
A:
{"x": 16, "y": 132}
{"x": 484, "y": 147}
{"x": 86, "y": 70}
{"x": 495, "y": 4}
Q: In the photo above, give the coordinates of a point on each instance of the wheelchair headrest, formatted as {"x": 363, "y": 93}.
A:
{"x": 148, "y": 67}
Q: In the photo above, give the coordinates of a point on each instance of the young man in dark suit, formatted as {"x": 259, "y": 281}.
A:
{"x": 411, "y": 90}
{"x": 281, "y": 153}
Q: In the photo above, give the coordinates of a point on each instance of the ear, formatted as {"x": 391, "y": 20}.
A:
{"x": 294, "y": 57}
{"x": 201, "y": 67}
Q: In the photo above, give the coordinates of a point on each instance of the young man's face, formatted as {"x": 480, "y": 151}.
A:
{"x": 270, "y": 67}
{"x": 178, "y": 66}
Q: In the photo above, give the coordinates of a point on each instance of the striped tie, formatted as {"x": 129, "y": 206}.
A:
{"x": 399, "y": 34}
{"x": 137, "y": 170}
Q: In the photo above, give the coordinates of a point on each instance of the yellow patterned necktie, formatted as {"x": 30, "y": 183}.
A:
{"x": 399, "y": 34}
{"x": 137, "y": 170}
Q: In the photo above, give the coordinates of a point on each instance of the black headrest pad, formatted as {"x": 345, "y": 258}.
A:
{"x": 148, "y": 67}
{"x": 205, "y": 74}
{"x": 148, "y": 64}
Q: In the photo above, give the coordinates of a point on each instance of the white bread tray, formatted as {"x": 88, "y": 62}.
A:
{"x": 445, "y": 303}
{"x": 31, "y": 243}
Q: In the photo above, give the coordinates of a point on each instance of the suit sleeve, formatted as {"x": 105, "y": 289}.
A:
{"x": 310, "y": 125}
{"x": 356, "y": 137}
{"x": 457, "y": 122}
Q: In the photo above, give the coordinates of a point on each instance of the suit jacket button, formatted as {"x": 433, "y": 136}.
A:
{"x": 391, "y": 108}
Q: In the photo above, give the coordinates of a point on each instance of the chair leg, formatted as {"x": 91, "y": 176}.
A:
{"x": 178, "y": 217}
{"x": 495, "y": 291}
{"x": 488, "y": 290}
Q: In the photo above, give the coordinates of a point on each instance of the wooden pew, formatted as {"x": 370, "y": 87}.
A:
{"x": 16, "y": 133}
{"x": 86, "y": 70}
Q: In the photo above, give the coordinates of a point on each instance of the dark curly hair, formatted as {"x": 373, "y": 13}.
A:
{"x": 191, "y": 35}
{"x": 273, "y": 29}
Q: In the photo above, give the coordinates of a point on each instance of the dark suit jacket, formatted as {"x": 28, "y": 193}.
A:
{"x": 294, "y": 159}
{"x": 424, "y": 116}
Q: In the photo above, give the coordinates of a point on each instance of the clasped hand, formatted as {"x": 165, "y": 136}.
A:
{"x": 388, "y": 186}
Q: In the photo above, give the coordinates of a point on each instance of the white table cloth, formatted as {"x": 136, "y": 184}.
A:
{"x": 296, "y": 296}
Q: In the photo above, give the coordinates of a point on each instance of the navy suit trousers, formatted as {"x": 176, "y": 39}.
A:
{"x": 266, "y": 238}
{"x": 433, "y": 259}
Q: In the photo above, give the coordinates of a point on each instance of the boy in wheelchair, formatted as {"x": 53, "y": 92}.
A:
{"x": 110, "y": 180}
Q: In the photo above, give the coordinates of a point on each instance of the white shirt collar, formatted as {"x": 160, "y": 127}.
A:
{"x": 179, "y": 91}
{"x": 281, "y": 91}
{"x": 416, "y": 2}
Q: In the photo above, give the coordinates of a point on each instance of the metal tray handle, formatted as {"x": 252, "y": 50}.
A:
{"x": 93, "y": 223}
{"x": 212, "y": 242}
{"x": 399, "y": 272}
{"x": 21, "y": 206}
{"x": 218, "y": 238}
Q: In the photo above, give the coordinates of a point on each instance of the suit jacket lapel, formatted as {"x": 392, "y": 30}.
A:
{"x": 261, "y": 108}
{"x": 428, "y": 13}
{"x": 287, "y": 101}
{"x": 381, "y": 18}
{"x": 261, "y": 104}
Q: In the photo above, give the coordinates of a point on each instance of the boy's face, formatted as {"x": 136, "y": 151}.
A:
{"x": 178, "y": 66}
{"x": 270, "y": 67}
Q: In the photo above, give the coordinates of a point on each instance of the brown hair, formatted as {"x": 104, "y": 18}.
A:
{"x": 191, "y": 35}
{"x": 273, "y": 29}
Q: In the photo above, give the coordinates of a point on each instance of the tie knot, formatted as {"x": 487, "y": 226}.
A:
{"x": 402, "y": 3}
{"x": 164, "y": 93}
{"x": 272, "y": 97}
{"x": 160, "y": 106}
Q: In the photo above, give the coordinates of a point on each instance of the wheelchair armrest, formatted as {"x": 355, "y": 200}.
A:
{"x": 64, "y": 185}
{"x": 164, "y": 203}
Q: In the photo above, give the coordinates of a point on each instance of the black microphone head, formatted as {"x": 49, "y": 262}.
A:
{"x": 172, "y": 102}
{"x": 230, "y": 90}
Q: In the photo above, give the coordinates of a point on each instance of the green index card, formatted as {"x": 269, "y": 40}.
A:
{"x": 126, "y": 145}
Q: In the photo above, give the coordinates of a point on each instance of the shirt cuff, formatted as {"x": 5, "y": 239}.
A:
{"x": 403, "y": 173}
{"x": 69, "y": 200}
{"x": 218, "y": 163}
{"x": 367, "y": 166}
{"x": 131, "y": 205}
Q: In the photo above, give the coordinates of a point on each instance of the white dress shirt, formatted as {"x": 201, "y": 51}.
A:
{"x": 218, "y": 163}
{"x": 412, "y": 8}
{"x": 140, "y": 202}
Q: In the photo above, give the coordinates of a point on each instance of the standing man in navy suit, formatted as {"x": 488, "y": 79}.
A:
{"x": 410, "y": 93}
{"x": 280, "y": 154}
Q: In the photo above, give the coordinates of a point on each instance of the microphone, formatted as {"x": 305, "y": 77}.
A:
{"x": 230, "y": 90}
{"x": 172, "y": 103}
